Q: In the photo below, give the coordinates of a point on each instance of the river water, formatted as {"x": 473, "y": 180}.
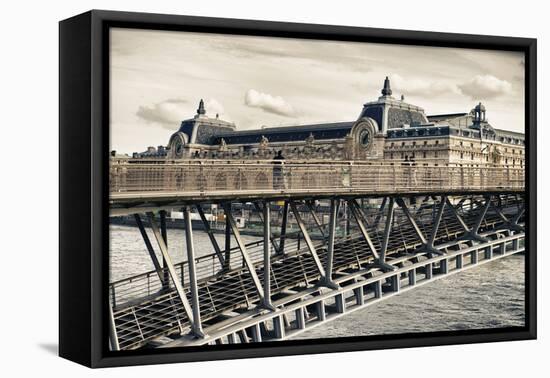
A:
{"x": 489, "y": 296}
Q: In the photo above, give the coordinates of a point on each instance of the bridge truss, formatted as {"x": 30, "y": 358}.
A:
{"x": 370, "y": 248}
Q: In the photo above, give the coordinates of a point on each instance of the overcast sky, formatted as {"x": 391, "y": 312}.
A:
{"x": 158, "y": 78}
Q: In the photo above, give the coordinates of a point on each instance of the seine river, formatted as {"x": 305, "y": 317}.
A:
{"x": 488, "y": 296}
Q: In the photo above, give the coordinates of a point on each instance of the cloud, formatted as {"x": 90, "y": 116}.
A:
{"x": 485, "y": 87}
{"x": 268, "y": 103}
{"x": 420, "y": 87}
{"x": 213, "y": 107}
{"x": 167, "y": 113}
{"x": 171, "y": 112}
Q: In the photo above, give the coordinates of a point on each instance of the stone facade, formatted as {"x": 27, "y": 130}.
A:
{"x": 388, "y": 129}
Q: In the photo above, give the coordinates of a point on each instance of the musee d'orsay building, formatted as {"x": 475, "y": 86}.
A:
{"x": 387, "y": 129}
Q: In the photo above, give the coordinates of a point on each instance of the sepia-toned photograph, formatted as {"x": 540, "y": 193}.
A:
{"x": 264, "y": 189}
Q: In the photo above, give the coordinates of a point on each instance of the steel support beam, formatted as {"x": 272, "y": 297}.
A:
{"x": 425, "y": 243}
{"x": 164, "y": 233}
{"x": 113, "y": 337}
{"x": 244, "y": 252}
{"x": 267, "y": 256}
{"x": 473, "y": 234}
{"x": 316, "y": 219}
{"x": 327, "y": 279}
{"x": 197, "y": 324}
{"x": 151, "y": 251}
{"x": 387, "y": 230}
{"x": 411, "y": 220}
{"x": 437, "y": 222}
{"x": 476, "y": 227}
{"x": 359, "y": 216}
{"x": 516, "y": 219}
{"x": 282, "y": 234}
{"x": 210, "y": 234}
{"x": 511, "y": 223}
{"x": 380, "y": 212}
{"x": 457, "y": 215}
{"x": 227, "y": 258}
{"x": 308, "y": 241}
{"x": 172, "y": 270}
{"x": 360, "y": 219}
{"x": 262, "y": 216}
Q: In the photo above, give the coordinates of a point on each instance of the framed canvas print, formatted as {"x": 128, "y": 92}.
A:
{"x": 234, "y": 188}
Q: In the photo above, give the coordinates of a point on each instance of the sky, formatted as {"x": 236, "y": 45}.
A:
{"x": 159, "y": 77}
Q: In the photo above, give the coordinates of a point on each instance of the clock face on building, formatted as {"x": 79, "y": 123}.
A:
{"x": 178, "y": 148}
{"x": 363, "y": 133}
{"x": 178, "y": 144}
{"x": 365, "y": 138}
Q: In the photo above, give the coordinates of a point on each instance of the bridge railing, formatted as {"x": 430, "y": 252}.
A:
{"x": 139, "y": 286}
{"x": 279, "y": 176}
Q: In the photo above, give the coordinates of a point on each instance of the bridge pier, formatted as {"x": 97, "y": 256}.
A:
{"x": 256, "y": 333}
{"x": 359, "y": 296}
{"x": 489, "y": 252}
{"x": 429, "y": 271}
{"x": 459, "y": 262}
{"x": 395, "y": 283}
{"x": 474, "y": 257}
{"x": 300, "y": 318}
{"x": 320, "y": 310}
{"x": 412, "y": 277}
{"x": 278, "y": 327}
{"x": 340, "y": 303}
{"x": 378, "y": 289}
{"x": 444, "y": 266}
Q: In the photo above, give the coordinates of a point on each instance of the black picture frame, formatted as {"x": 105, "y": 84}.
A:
{"x": 84, "y": 156}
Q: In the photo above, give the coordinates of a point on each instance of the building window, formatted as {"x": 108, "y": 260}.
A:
{"x": 425, "y": 142}
{"x": 402, "y": 144}
{"x": 424, "y": 155}
{"x": 436, "y": 142}
{"x": 472, "y": 156}
{"x": 462, "y": 155}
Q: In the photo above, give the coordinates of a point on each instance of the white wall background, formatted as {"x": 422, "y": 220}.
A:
{"x": 29, "y": 144}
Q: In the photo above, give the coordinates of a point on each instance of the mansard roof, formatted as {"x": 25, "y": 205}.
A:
{"x": 321, "y": 131}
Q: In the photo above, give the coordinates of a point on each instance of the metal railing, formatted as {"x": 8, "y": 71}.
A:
{"x": 219, "y": 177}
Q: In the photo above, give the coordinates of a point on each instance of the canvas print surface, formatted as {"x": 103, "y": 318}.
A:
{"x": 266, "y": 189}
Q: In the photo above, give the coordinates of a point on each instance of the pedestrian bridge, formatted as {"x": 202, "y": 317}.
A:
{"x": 160, "y": 182}
{"x": 385, "y": 229}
